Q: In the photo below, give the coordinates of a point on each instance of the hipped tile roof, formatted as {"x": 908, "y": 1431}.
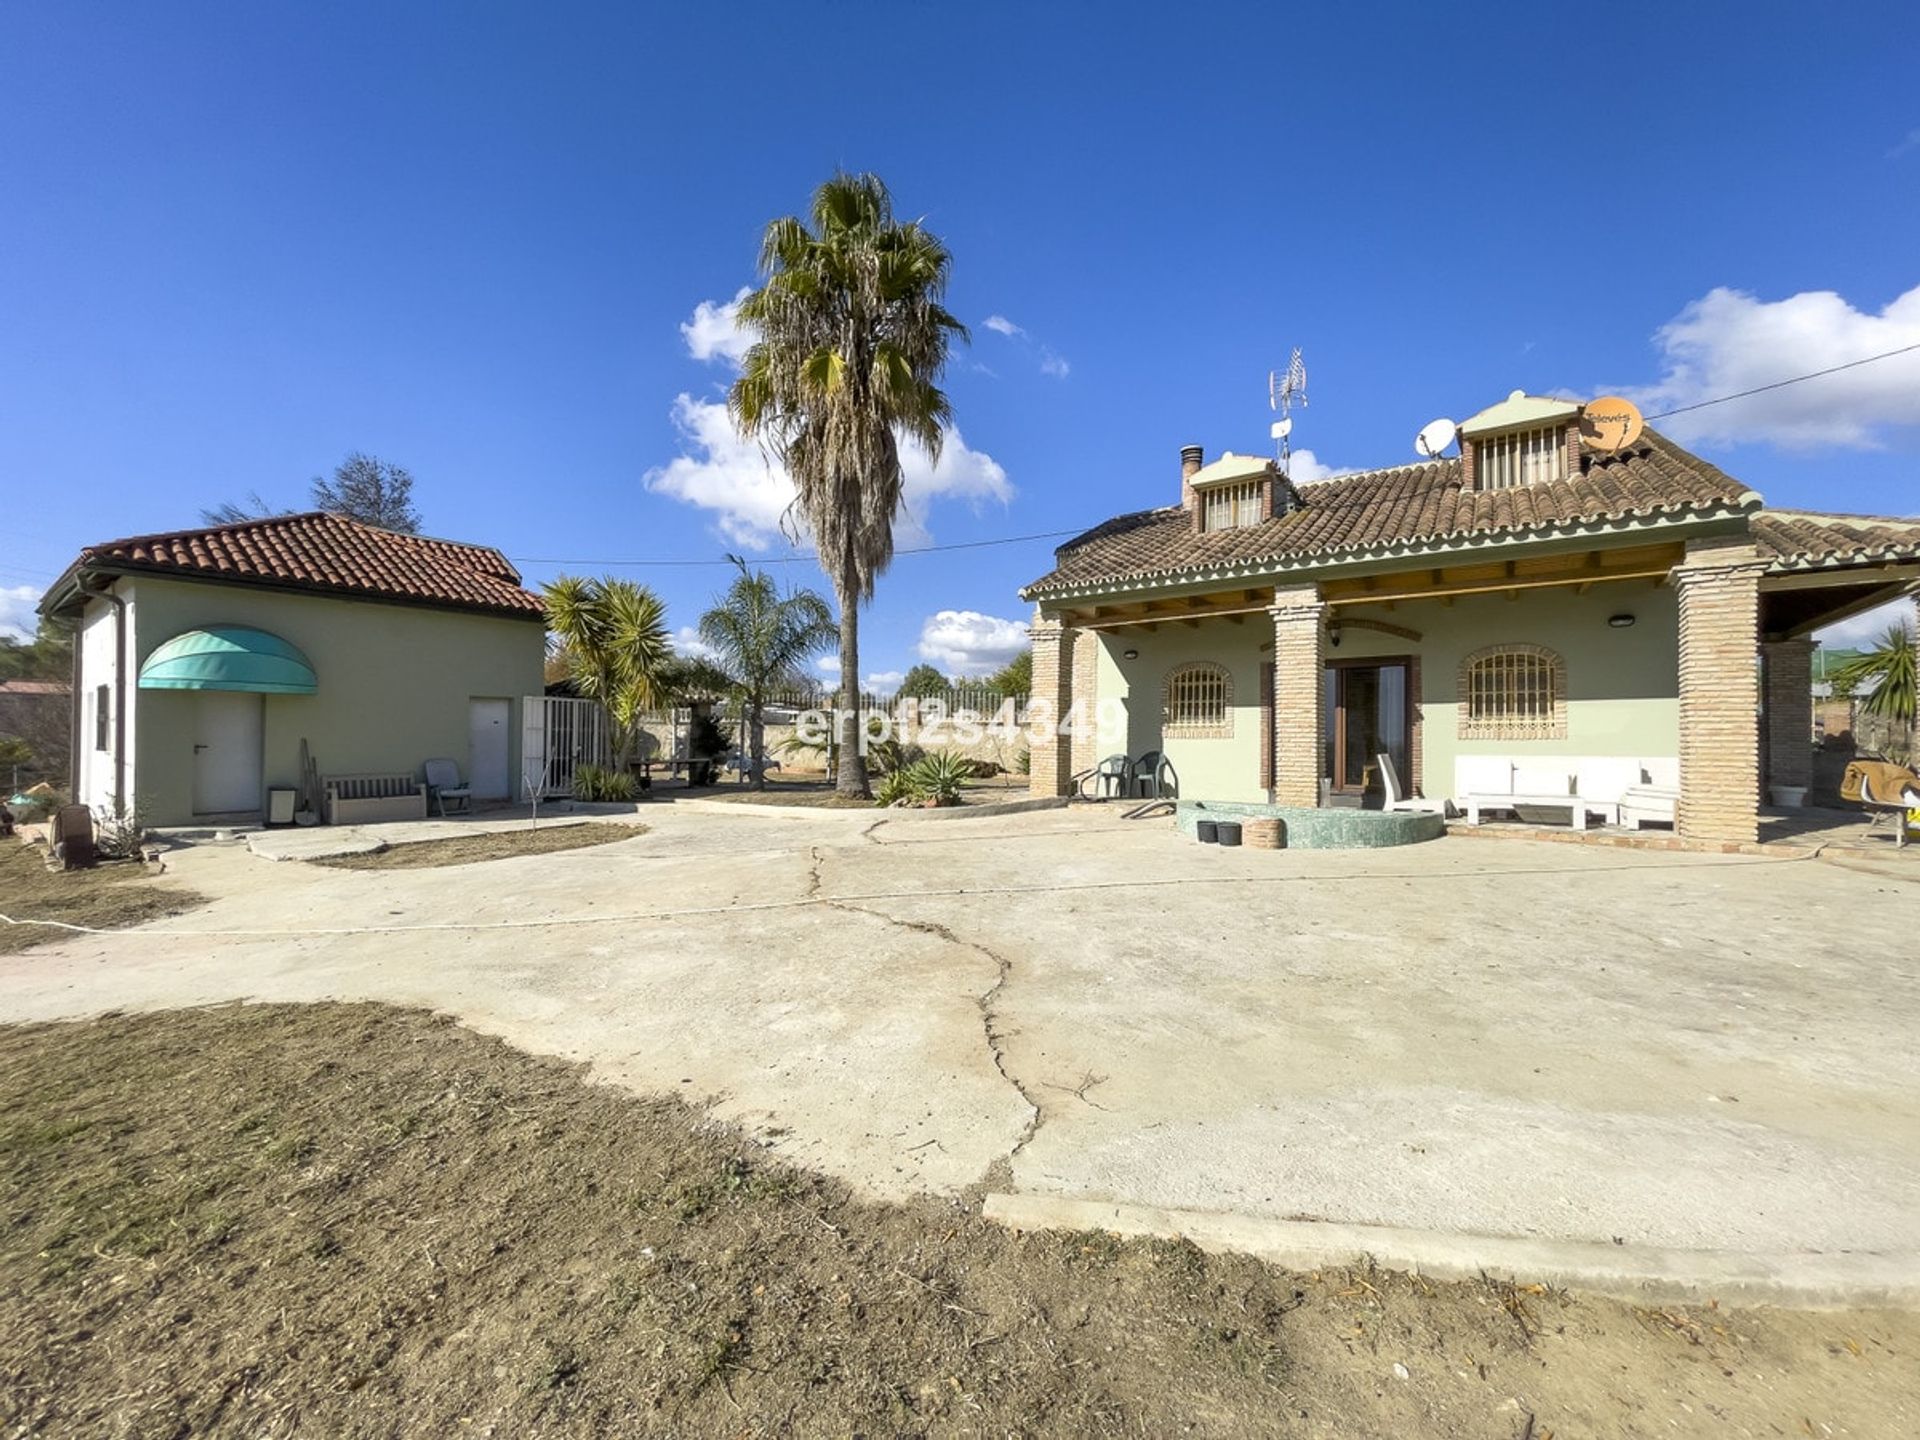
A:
{"x": 328, "y": 552}
{"x": 1403, "y": 504}
{"x": 1792, "y": 538}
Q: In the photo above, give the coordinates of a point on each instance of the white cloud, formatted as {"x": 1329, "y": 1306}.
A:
{"x": 1304, "y": 467}
{"x": 1050, "y": 361}
{"x": 749, "y": 493}
{"x": 715, "y": 330}
{"x": 829, "y": 666}
{"x": 967, "y": 643}
{"x": 884, "y": 680}
{"x": 687, "y": 643}
{"x": 17, "y": 620}
{"x": 1867, "y": 628}
{"x": 1729, "y": 341}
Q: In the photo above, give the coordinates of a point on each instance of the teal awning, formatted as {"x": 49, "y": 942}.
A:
{"x": 229, "y": 657}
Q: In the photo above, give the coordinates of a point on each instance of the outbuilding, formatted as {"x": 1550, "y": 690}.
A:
{"x": 203, "y": 658}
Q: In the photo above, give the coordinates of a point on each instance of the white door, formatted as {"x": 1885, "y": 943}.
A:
{"x": 226, "y": 752}
{"x": 487, "y": 748}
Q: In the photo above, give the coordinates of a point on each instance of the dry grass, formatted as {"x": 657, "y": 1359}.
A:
{"x": 107, "y": 897}
{"x": 349, "y": 1220}
{"x": 493, "y": 845}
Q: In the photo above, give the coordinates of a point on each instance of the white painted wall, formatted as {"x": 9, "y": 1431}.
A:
{"x": 100, "y": 665}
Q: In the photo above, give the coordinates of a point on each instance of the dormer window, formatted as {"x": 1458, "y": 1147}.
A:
{"x": 1228, "y": 507}
{"x": 1521, "y": 457}
{"x": 1524, "y": 440}
{"x": 1233, "y": 492}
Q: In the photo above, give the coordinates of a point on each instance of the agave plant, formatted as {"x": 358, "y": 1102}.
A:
{"x": 939, "y": 777}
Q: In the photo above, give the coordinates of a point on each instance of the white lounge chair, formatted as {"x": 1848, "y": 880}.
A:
{"x": 1398, "y": 799}
{"x": 443, "y": 783}
{"x": 1889, "y": 806}
{"x": 1642, "y": 804}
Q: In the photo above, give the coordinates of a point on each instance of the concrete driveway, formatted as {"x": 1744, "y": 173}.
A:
{"x": 1583, "y": 1062}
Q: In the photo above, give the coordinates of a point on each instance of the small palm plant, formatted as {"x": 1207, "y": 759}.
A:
{"x": 761, "y": 641}
{"x": 1883, "y": 682}
{"x": 612, "y": 637}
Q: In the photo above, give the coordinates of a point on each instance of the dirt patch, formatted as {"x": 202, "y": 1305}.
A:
{"x": 349, "y": 1220}
{"x": 494, "y": 845}
{"x": 107, "y": 897}
{"x": 821, "y": 794}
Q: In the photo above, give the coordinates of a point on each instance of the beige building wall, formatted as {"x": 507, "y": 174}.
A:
{"x": 394, "y": 686}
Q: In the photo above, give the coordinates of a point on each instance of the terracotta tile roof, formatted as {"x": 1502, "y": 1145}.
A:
{"x": 328, "y": 552}
{"x": 1404, "y": 504}
{"x": 1798, "y": 538}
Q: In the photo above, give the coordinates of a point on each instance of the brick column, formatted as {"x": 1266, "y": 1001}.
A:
{"x": 1299, "y": 683}
{"x": 1083, "y": 751}
{"x": 1048, "y": 747}
{"x": 1719, "y": 585}
{"x": 1788, "y": 670}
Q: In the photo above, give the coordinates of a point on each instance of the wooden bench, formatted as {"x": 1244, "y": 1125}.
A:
{"x": 367, "y": 799}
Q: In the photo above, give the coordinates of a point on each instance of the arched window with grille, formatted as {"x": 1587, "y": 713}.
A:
{"x": 1198, "y": 702}
{"x": 1513, "y": 692}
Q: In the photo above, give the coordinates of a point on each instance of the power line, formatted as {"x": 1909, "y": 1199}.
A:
{"x": 1793, "y": 380}
{"x": 806, "y": 559}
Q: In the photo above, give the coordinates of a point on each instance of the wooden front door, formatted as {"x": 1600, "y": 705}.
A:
{"x": 1369, "y": 710}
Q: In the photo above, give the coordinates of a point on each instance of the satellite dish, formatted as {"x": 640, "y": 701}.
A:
{"x": 1282, "y": 428}
{"x": 1434, "y": 437}
{"x": 1611, "y": 424}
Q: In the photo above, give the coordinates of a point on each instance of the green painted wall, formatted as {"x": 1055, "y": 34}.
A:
{"x": 1622, "y": 684}
{"x": 394, "y": 682}
{"x": 1211, "y": 769}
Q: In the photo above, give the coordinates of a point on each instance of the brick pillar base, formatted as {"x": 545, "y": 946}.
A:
{"x": 1299, "y": 682}
{"x": 1049, "y": 747}
{"x": 1788, "y": 668}
{"x": 1719, "y": 585}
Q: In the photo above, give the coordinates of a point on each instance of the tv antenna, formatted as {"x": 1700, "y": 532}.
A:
{"x": 1285, "y": 388}
{"x": 1434, "y": 437}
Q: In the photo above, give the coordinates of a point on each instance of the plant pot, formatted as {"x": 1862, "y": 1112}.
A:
{"x": 1229, "y": 833}
{"x": 1206, "y": 831}
{"x": 1788, "y": 797}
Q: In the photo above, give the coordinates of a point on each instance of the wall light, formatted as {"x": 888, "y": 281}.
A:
{"x": 1129, "y": 654}
{"x": 1333, "y": 633}
{"x": 1620, "y": 622}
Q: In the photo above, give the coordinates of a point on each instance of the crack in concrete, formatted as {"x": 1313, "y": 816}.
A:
{"x": 1000, "y": 1172}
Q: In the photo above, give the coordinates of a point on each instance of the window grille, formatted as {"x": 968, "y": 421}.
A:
{"x": 1527, "y": 457}
{"x": 1197, "y": 701}
{"x": 1229, "y": 507}
{"x": 1513, "y": 692}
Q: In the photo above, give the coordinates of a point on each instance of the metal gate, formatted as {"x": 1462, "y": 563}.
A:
{"x": 559, "y": 735}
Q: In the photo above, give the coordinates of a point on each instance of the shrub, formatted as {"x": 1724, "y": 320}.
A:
{"x": 591, "y": 783}
{"x": 894, "y": 789}
{"x": 939, "y": 777}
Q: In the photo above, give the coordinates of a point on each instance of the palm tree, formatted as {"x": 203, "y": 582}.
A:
{"x": 613, "y": 638}
{"x": 1889, "y": 668}
{"x": 760, "y": 639}
{"x": 851, "y": 337}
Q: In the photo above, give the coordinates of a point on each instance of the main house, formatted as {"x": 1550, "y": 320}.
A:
{"x": 203, "y": 659}
{"x": 1623, "y": 617}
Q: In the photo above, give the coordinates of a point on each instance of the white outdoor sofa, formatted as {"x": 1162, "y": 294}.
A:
{"x": 1624, "y": 790}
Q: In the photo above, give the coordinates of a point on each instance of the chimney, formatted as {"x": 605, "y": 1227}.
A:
{"x": 1191, "y": 458}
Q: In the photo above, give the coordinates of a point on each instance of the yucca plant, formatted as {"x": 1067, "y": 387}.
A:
{"x": 939, "y": 777}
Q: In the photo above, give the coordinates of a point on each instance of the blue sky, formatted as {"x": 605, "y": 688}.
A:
{"x": 240, "y": 241}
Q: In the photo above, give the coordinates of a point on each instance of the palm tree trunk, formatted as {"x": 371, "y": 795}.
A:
{"x": 852, "y": 776}
{"x": 756, "y": 743}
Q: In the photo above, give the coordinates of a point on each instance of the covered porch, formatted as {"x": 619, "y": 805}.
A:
{"x": 1678, "y": 669}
